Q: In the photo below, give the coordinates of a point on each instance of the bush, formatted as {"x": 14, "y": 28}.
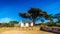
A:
{"x": 51, "y": 24}
{"x": 6, "y": 25}
{"x": 58, "y": 24}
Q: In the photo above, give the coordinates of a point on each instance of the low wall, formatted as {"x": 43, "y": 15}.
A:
{"x": 50, "y": 29}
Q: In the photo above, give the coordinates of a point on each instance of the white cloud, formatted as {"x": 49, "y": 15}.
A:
{"x": 3, "y": 20}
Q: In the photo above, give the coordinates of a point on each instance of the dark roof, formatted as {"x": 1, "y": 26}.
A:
{"x": 26, "y": 22}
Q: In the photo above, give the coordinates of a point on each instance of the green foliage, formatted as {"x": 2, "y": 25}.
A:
{"x": 6, "y": 25}
{"x": 38, "y": 24}
{"x": 50, "y": 24}
{"x": 10, "y": 24}
{"x": 58, "y": 24}
{"x": 13, "y": 22}
{"x": 24, "y": 15}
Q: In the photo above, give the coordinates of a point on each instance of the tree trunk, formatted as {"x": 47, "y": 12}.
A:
{"x": 34, "y": 22}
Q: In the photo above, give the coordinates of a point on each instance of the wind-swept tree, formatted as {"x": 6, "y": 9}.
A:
{"x": 33, "y": 14}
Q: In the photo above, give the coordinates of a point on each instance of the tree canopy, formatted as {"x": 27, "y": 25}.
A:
{"x": 33, "y": 13}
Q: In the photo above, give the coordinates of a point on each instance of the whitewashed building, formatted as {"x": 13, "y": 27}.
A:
{"x": 26, "y": 24}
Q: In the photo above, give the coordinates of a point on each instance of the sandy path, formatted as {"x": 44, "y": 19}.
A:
{"x": 12, "y": 32}
{"x": 21, "y": 31}
{"x": 24, "y": 32}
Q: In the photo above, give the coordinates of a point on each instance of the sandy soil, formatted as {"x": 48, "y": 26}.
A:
{"x": 17, "y": 30}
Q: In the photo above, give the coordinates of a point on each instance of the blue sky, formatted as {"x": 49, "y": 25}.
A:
{"x": 9, "y": 9}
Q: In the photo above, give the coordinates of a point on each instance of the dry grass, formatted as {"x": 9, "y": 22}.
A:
{"x": 18, "y": 30}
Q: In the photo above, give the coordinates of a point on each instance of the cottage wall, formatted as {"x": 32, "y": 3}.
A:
{"x": 32, "y": 24}
{"x": 22, "y": 24}
{"x": 26, "y": 24}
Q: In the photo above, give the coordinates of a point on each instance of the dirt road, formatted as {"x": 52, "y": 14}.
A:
{"x": 21, "y": 31}
{"x": 24, "y": 32}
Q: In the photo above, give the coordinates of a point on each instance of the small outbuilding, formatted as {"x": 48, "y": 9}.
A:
{"x": 26, "y": 24}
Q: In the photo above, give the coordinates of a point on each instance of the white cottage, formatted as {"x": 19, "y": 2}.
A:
{"x": 26, "y": 24}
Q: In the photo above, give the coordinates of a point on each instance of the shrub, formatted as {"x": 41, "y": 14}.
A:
{"x": 51, "y": 24}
